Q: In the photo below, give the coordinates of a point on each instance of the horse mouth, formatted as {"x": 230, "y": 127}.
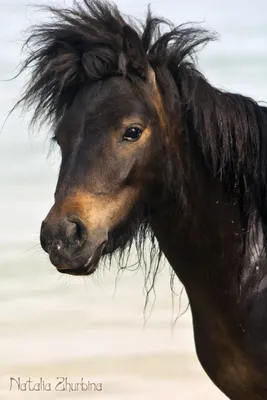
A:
{"x": 89, "y": 267}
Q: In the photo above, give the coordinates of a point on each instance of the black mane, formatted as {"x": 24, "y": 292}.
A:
{"x": 231, "y": 128}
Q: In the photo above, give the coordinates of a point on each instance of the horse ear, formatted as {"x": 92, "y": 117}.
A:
{"x": 135, "y": 53}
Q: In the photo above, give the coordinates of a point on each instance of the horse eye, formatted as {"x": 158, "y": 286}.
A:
{"x": 132, "y": 134}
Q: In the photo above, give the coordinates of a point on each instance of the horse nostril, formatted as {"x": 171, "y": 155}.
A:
{"x": 63, "y": 237}
{"x": 76, "y": 231}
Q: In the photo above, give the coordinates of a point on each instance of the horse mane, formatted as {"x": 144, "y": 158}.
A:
{"x": 86, "y": 43}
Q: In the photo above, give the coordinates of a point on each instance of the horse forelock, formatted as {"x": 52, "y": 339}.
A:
{"x": 93, "y": 41}
{"x": 82, "y": 44}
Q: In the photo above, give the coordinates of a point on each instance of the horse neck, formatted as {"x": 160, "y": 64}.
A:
{"x": 202, "y": 230}
{"x": 204, "y": 246}
{"x": 203, "y": 238}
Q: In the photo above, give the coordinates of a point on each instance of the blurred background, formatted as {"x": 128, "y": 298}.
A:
{"x": 60, "y": 326}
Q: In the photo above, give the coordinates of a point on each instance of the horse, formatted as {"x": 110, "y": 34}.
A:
{"x": 149, "y": 148}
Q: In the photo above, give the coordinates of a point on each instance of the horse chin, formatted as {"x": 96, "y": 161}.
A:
{"x": 78, "y": 271}
{"x": 89, "y": 267}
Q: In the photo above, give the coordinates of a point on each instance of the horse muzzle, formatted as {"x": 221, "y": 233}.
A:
{"x": 70, "y": 247}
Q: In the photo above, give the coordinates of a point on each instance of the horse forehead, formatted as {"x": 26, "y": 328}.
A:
{"x": 106, "y": 101}
{"x": 113, "y": 87}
